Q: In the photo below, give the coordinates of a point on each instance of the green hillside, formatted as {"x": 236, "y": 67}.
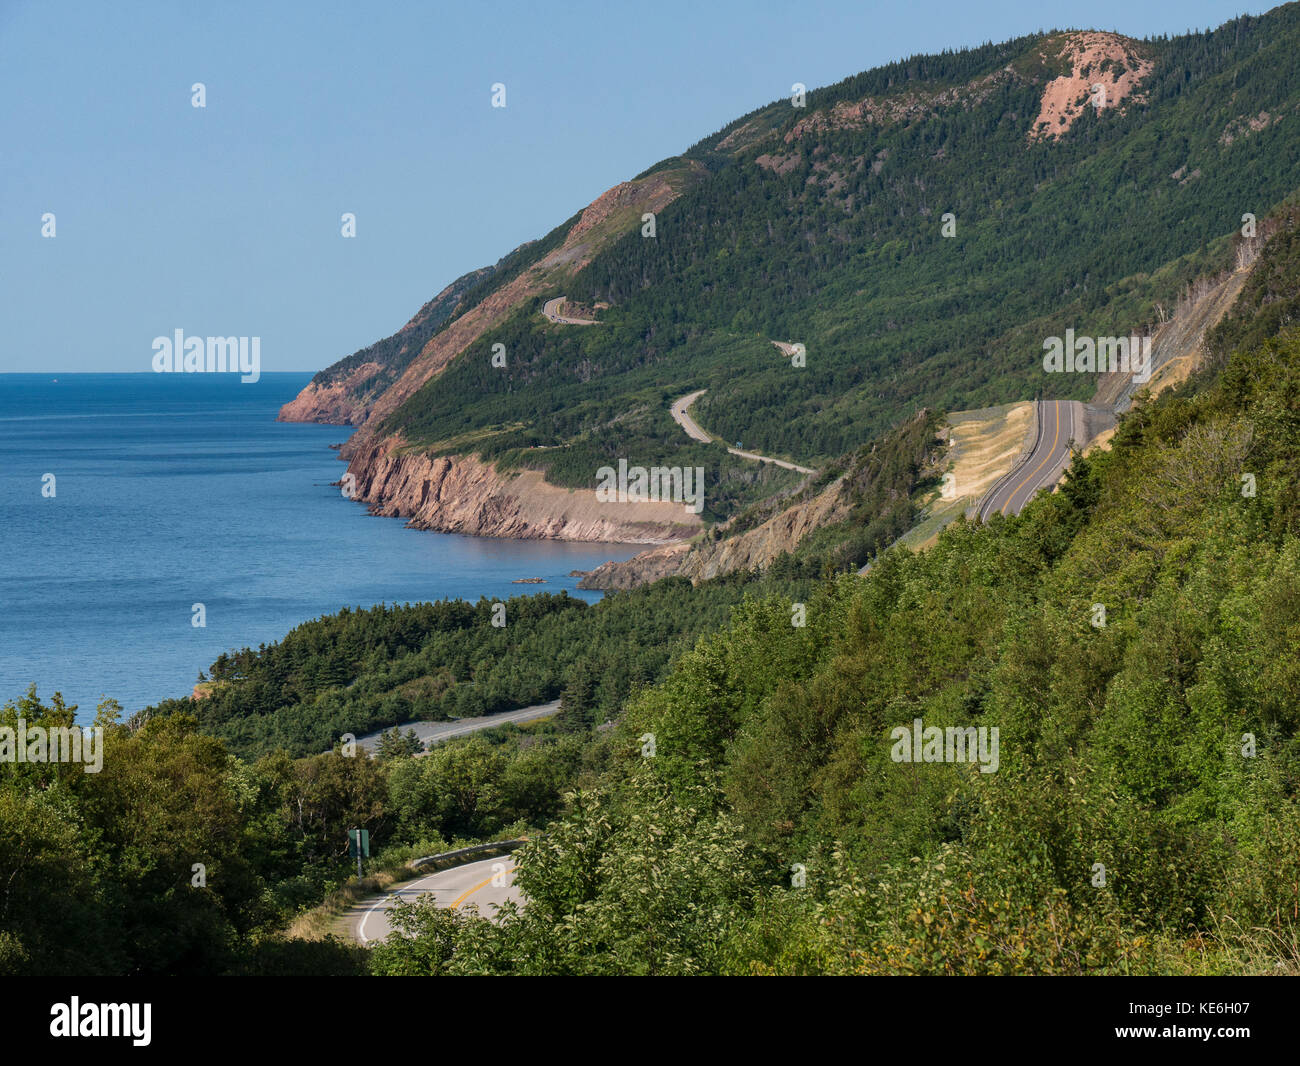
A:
{"x": 840, "y": 247}
{"x": 1142, "y": 814}
{"x": 724, "y": 790}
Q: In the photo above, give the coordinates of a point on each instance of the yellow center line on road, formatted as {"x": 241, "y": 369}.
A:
{"x": 482, "y": 884}
{"x": 1049, "y": 455}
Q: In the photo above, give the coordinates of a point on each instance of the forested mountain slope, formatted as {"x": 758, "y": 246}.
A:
{"x": 1136, "y": 810}
{"x": 920, "y": 228}
{"x": 1131, "y": 639}
{"x": 340, "y": 392}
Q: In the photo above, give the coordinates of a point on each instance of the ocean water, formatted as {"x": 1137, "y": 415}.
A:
{"x": 172, "y": 490}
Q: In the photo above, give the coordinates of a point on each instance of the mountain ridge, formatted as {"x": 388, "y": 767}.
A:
{"x": 851, "y": 189}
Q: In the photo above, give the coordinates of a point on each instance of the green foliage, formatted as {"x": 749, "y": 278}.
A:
{"x": 835, "y": 241}
{"x": 1142, "y": 816}
{"x": 366, "y": 669}
{"x": 395, "y": 744}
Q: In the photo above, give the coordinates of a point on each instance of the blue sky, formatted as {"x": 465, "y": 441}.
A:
{"x": 225, "y": 220}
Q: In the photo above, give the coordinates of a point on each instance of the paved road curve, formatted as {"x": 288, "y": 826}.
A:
{"x": 694, "y": 431}
{"x": 453, "y": 888}
{"x": 1060, "y": 422}
{"x": 551, "y": 309}
{"x": 436, "y": 732}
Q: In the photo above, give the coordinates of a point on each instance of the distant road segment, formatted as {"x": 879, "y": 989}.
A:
{"x": 431, "y": 733}
{"x": 693, "y": 430}
{"x": 551, "y": 309}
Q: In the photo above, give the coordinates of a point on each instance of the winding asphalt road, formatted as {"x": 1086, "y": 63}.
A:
{"x": 693, "y": 430}
{"x": 551, "y": 309}
{"x": 453, "y": 888}
{"x": 436, "y": 732}
{"x": 1060, "y": 423}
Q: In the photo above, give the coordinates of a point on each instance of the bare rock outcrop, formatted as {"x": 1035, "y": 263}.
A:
{"x": 641, "y": 569}
{"x": 1105, "y": 69}
{"x": 752, "y": 550}
{"x": 462, "y": 494}
{"x": 583, "y": 240}
{"x": 335, "y": 404}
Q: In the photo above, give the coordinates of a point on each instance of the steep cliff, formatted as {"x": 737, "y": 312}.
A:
{"x": 461, "y": 494}
{"x": 1178, "y": 345}
{"x": 343, "y": 393}
{"x": 338, "y": 402}
{"x": 641, "y": 569}
{"x": 603, "y": 221}
{"x": 752, "y": 550}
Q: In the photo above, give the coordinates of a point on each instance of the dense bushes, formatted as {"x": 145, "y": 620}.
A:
{"x": 1142, "y": 817}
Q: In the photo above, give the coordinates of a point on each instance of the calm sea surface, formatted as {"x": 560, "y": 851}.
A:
{"x": 177, "y": 489}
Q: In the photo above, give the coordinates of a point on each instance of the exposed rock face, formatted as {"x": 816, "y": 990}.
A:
{"x": 335, "y": 403}
{"x": 623, "y": 195}
{"x": 751, "y": 550}
{"x": 757, "y": 548}
{"x": 641, "y": 569}
{"x": 343, "y": 393}
{"x": 1095, "y": 59}
{"x": 461, "y": 494}
{"x": 345, "y": 401}
{"x": 906, "y": 106}
{"x": 1246, "y": 125}
{"x": 583, "y": 240}
{"x": 1178, "y": 346}
{"x": 1111, "y": 61}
